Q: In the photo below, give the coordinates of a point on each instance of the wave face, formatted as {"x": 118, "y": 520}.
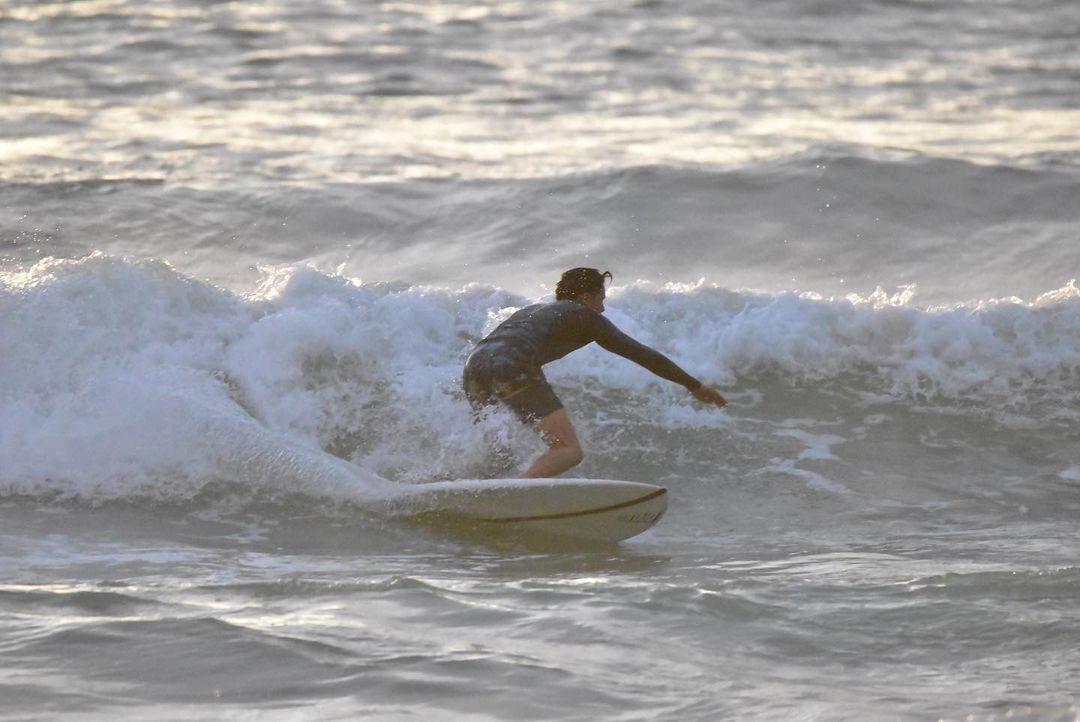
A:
{"x": 835, "y": 220}
{"x": 129, "y": 379}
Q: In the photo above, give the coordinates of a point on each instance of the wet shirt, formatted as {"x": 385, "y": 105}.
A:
{"x": 545, "y": 332}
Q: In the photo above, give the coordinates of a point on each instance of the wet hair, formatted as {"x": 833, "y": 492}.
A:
{"x": 577, "y": 282}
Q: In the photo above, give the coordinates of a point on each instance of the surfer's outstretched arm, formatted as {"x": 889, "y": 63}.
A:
{"x": 614, "y": 340}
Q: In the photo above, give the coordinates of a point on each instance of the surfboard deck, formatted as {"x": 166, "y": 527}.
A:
{"x": 603, "y": 510}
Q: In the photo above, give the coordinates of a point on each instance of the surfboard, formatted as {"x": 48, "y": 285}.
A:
{"x": 603, "y": 510}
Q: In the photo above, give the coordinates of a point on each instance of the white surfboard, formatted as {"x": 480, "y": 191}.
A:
{"x": 588, "y": 509}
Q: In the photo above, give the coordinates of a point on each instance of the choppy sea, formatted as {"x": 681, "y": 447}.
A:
{"x": 245, "y": 248}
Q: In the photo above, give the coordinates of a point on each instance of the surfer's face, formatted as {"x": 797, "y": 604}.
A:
{"x": 594, "y": 300}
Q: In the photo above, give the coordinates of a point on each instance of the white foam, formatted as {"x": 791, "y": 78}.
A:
{"x": 118, "y": 375}
{"x": 812, "y": 479}
{"x": 994, "y": 350}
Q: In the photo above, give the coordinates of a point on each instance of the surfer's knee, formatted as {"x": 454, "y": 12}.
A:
{"x": 568, "y": 451}
{"x": 574, "y": 455}
{"x": 568, "y": 447}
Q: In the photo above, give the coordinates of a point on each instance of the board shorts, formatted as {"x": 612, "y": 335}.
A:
{"x": 496, "y": 373}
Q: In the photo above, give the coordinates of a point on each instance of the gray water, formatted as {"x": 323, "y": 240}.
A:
{"x": 246, "y": 247}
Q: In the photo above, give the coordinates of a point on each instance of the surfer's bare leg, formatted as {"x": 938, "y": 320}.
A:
{"x": 564, "y": 451}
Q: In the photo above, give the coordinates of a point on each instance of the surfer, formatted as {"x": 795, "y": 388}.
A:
{"x": 506, "y": 366}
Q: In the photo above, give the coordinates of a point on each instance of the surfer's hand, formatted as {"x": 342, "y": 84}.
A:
{"x": 709, "y": 395}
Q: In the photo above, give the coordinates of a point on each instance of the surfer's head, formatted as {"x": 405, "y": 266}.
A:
{"x": 584, "y": 285}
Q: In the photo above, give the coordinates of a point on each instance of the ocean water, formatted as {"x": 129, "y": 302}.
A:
{"x": 246, "y": 247}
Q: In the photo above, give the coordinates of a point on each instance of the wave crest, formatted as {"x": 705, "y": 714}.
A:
{"x": 120, "y": 373}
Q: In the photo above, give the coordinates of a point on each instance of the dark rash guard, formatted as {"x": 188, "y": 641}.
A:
{"x": 549, "y": 331}
{"x": 506, "y": 365}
